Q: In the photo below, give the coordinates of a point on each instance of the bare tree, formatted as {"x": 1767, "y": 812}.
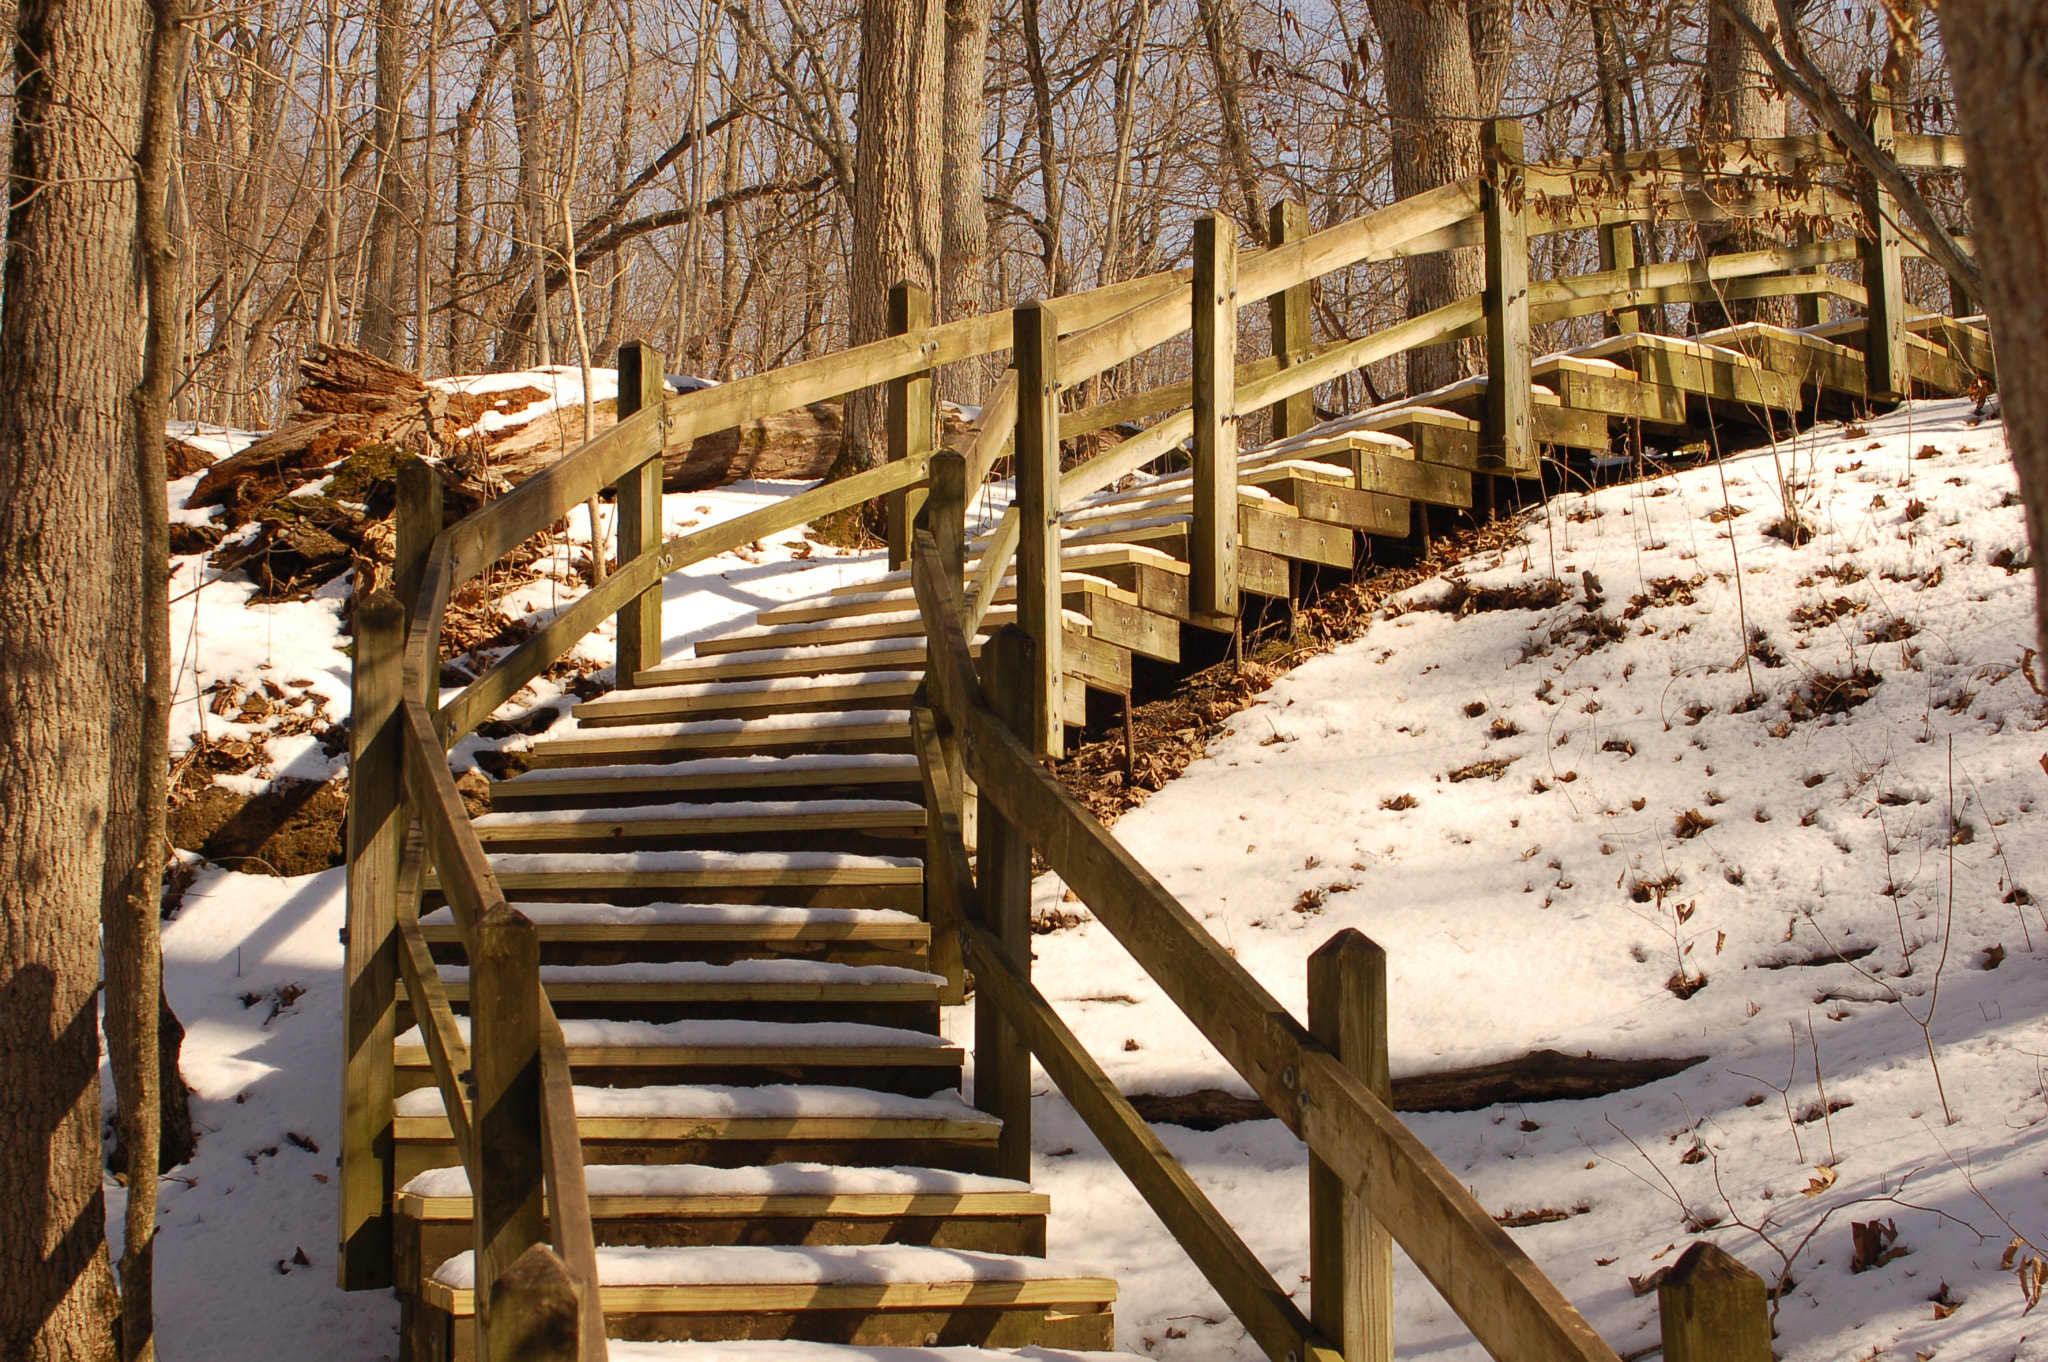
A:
{"x": 68, "y": 370}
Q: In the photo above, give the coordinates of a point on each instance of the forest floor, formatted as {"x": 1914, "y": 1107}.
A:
{"x": 1643, "y": 780}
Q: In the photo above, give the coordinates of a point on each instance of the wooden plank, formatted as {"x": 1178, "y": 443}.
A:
{"x": 947, "y": 881}
{"x": 560, "y": 991}
{"x": 1261, "y": 1306}
{"x": 1366, "y": 512}
{"x": 601, "y": 751}
{"x": 566, "y": 1196}
{"x": 1310, "y": 541}
{"x": 641, "y": 376}
{"x": 419, "y": 514}
{"x": 822, "y": 1129}
{"x": 1038, "y": 507}
{"x": 507, "y": 1174}
{"x": 1510, "y": 1306}
{"x": 908, "y": 936}
{"x": 1568, "y": 428}
{"x": 769, "y": 1206}
{"x": 1002, "y": 908}
{"x": 1289, "y": 322}
{"x": 1618, "y": 252}
{"x": 1101, "y": 664}
{"x": 1212, "y": 539}
{"x": 1351, "y": 1255}
{"x": 1127, "y": 625}
{"x": 377, "y": 822}
{"x": 616, "y": 878}
{"x": 1506, "y": 435}
{"x": 446, "y": 1050}
{"x": 1887, "y": 368}
{"x": 1616, "y": 394}
{"x": 631, "y": 829}
{"x": 1259, "y": 572}
{"x": 912, "y": 411}
{"x": 767, "y": 1297}
{"x": 735, "y": 1056}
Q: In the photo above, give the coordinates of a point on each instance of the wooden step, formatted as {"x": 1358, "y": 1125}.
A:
{"x": 727, "y": 1052}
{"x": 1094, "y": 559}
{"x": 897, "y": 599}
{"x": 730, "y": 1127}
{"x": 869, "y": 730}
{"x": 792, "y": 1350}
{"x": 901, "y": 1295}
{"x": 714, "y": 933}
{"x": 1604, "y": 386}
{"x": 759, "y": 990}
{"x": 786, "y": 1203}
{"x": 814, "y": 879}
{"x": 821, "y": 633}
{"x": 1931, "y": 364}
{"x": 1809, "y": 360}
{"x": 643, "y": 825}
{"x": 710, "y": 778}
{"x": 882, "y": 654}
{"x": 858, "y": 690}
{"x": 1738, "y": 386}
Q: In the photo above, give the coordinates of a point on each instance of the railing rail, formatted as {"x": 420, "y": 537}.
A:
{"x": 517, "y": 1132}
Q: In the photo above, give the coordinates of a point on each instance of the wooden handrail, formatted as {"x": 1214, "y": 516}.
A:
{"x": 1510, "y": 1306}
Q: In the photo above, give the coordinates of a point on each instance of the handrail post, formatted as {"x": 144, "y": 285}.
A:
{"x": 946, "y": 514}
{"x": 1810, "y": 309}
{"x": 1212, "y": 540}
{"x": 1351, "y": 1255}
{"x": 507, "y": 1169}
{"x": 537, "y": 1311}
{"x": 1002, "y": 1059}
{"x": 1505, "y": 427}
{"x": 1036, "y": 333}
{"x": 1618, "y": 252}
{"x": 1886, "y": 367}
{"x": 1289, "y": 310}
{"x": 1713, "y": 1309}
{"x": 912, "y": 411}
{"x": 376, "y": 835}
{"x": 419, "y": 521}
{"x": 639, "y": 516}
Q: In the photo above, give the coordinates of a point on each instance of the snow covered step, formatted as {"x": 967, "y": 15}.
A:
{"x": 823, "y": 878}
{"x": 823, "y": 633}
{"x": 682, "y": 1205}
{"x": 881, "y": 654}
{"x": 732, "y": 1127}
{"x": 782, "y": 1350}
{"x": 607, "y": 933}
{"x": 852, "y": 690}
{"x": 830, "y": 731}
{"x": 765, "y": 990}
{"x": 755, "y": 818}
{"x": 879, "y": 1294}
{"x": 710, "y": 777}
{"x": 724, "y": 1051}
{"x": 901, "y": 598}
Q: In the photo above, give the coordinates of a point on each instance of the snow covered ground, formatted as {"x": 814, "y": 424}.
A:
{"x": 1650, "y": 821}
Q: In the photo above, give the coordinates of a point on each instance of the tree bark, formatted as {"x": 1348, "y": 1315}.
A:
{"x": 1433, "y": 102}
{"x": 1223, "y": 39}
{"x": 1739, "y": 100}
{"x": 377, "y": 329}
{"x": 1998, "y": 59}
{"x": 896, "y": 216}
{"x": 68, "y": 368}
{"x": 964, "y": 219}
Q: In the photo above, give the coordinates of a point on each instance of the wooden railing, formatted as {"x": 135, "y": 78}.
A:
{"x": 507, "y": 1091}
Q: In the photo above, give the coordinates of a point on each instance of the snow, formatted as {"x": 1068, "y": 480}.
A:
{"x": 1931, "y": 782}
{"x": 765, "y": 686}
{"x": 642, "y": 813}
{"x": 739, "y": 972}
{"x": 780, "y": 1102}
{"x": 726, "y": 766}
{"x": 835, "y": 1352}
{"x": 677, "y": 914}
{"x": 832, "y": 1265}
{"x": 1509, "y": 924}
{"x": 723, "y": 1035}
{"x": 780, "y": 1179}
{"x": 216, "y": 442}
{"x": 768, "y": 723}
{"x": 689, "y": 862}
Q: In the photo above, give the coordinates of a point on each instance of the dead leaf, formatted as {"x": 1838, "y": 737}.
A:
{"x": 1823, "y": 1178}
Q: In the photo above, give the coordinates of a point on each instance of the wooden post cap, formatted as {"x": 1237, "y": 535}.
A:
{"x": 1714, "y": 1309}
{"x": 536, "y": 1310}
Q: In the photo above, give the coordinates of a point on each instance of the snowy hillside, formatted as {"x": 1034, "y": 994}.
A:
{"x": 1558, "y": 816}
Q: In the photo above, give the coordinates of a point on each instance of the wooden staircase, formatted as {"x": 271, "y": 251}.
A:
{"x": 690, "y": 971}
{"x": 723, "y": 868}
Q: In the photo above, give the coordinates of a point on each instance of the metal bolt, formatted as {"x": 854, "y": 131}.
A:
{"x": 1287, "y": 1077}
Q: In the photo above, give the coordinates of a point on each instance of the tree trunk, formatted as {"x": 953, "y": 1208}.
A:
{"x": 1433, "y": 100}
{"x": 1998, "y": 59}
{"x": 1052, "y": 230}
{"x": 896, "y": 214}
{"x": 377, "y": 329}
{"x": 68, "y": 366}
{"x": 1223, "y": 39}
{"x": 1739, "y": 100}
{"x": 964, "y": 245}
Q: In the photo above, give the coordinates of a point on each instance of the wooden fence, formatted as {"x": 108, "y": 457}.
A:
{"x": 507, "y": 1092}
